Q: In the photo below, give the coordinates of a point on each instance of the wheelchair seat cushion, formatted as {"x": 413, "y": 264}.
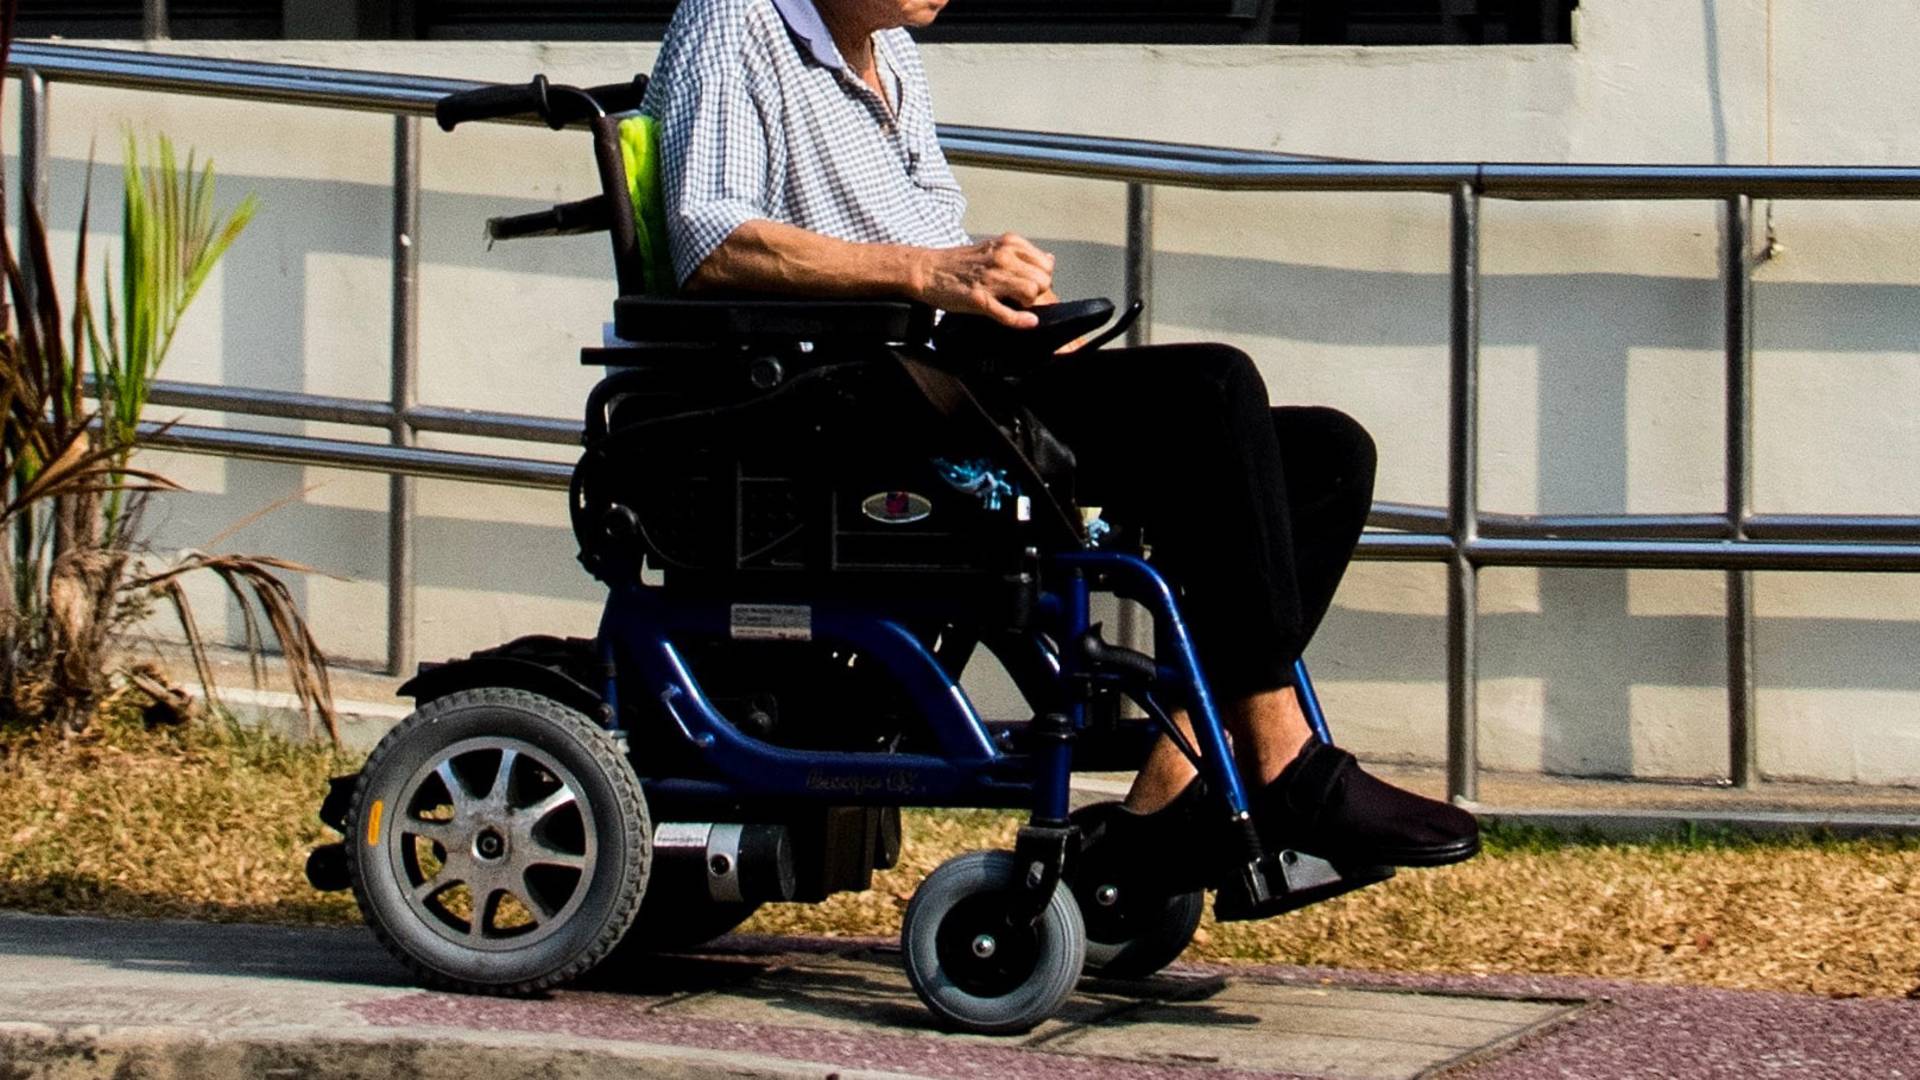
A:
{"x": 653, "y": 320}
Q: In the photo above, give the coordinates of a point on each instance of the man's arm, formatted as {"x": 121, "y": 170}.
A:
{"x": 995, "y": 278}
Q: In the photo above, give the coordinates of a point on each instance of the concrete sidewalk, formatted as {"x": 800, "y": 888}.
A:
{"x": 87, "y": 998}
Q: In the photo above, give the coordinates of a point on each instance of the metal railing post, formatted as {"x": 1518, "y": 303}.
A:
{"x": 1463, "y": 503}
{"x": 156, "y": 26}
{"x": 1140, "y": 260}
{"x": 1743, "y": 749}
{"x": 34, "y": 183}
{"x": 1132, "y": 626}
{"x": 406, "y": 367}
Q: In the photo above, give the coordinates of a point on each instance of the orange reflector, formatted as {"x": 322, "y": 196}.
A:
{"x": 373, "y": 823}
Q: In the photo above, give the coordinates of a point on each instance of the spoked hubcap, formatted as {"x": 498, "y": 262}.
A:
{"x": 983, "y": 951}
{"x": 493, "y": 842}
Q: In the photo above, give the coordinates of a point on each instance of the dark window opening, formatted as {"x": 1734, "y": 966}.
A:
{"x": 1294, "y": 22}
{"x": 1308, "y": 22}
{"x": 126, "y": 18}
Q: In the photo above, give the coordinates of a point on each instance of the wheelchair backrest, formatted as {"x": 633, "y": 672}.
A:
{"x": 628, "y": 152}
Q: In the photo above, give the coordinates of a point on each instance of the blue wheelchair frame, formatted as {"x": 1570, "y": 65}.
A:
{"x": 972, "y": 769}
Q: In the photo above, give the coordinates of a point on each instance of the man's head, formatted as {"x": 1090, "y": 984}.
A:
{"x": 882, "y": 14}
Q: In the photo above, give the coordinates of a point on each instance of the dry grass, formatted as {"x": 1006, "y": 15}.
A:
{"x": 200, "y": 822}
{"x": 211, "y": 824}
{"x": 1823, "y": 917}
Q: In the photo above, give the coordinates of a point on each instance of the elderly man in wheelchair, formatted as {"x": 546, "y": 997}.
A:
{"x": 842, "y": 446}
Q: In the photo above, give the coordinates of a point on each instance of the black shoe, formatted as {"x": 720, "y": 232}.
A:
{"x": 1170, "y": 851}
{"x": 1323, "y": 803}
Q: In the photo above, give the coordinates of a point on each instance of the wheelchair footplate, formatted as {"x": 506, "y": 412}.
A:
{"x": 1288, "y": 881}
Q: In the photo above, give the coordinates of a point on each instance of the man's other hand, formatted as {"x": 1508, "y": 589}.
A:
{"x": 995, "y": 278}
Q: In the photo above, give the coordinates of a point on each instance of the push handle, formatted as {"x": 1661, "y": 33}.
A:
{"x": 570, "y": 219}
{"x": 557, "y": 105}
{"x": 492, "y": 103}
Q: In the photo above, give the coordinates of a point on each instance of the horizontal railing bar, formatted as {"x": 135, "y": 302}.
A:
{"x": 1606, "y": 526}
{"x": 486, "y": 468}
{"x": 1085, "y": 156}
{"x": 283, "y": 84}
{"x": 1631, "y": 554}
{"x": 1153, "y": 149}
{"x": 318, "y": 408}
{"x": 366, "y": 457}
{"x": 492, "y": 425}
{"x": 1408, "y": 517}
{"x": 1697, "y": 555}
{"x": 1405, "y": 517}
{"x": 1403, "y": 547}
{"x": 278, "y": 404}
{"x": 73, "y": 62}
{"x": 1515, "y": 180}
{"x": 1833, "y": 527}
{"x": 1430, "y": 177}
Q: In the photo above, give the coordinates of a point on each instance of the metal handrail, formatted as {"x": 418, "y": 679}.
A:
{"x": 1460, "y": 535}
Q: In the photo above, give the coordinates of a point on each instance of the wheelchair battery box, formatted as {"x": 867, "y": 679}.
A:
{"x": 832, "y": 476}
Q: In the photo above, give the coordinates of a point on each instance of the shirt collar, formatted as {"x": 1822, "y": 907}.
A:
{"x": 807, "y": 25}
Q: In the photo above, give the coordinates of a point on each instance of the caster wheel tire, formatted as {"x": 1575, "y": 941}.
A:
{"x": 1133, "y": 930}
{"x": 498, "y": 842}
{"x": 974, "y": 967}
{"x": 1130, "y": 938}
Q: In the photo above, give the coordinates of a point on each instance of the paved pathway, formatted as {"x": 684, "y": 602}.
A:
{"x": 83, "y": 998}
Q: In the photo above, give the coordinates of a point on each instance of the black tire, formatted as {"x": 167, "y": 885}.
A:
{"x": 557, "y": 855}
{"x": 975, "y": 971}
{"x": 1133, "y": 928}
{"x": 1144, "y": 937}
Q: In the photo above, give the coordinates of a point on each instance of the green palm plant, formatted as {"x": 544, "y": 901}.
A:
{"x": 172, "y": 239}
{"x": 81, "y": 576}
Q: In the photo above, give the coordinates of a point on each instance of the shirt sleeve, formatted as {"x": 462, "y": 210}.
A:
{"x": 714, "y": 154}
{"x": 930, "y": 169}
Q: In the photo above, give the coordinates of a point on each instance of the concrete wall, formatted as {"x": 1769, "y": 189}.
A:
{"x": 1602, "y": 369}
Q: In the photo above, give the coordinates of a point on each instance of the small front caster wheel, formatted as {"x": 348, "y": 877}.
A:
{"x": 977, "y": 966}
{"x": 1134, "y": 926}
{"x": 498, "y": 842}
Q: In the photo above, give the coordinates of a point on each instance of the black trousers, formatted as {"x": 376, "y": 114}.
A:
{"x": 1252, "y": 511}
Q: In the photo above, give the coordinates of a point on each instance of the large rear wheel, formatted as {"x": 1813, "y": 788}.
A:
{"x": 498, "y": 842}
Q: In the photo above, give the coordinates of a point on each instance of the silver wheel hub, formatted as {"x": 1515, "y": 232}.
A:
{"x": 493, "y": 844}
{"x": 984, "y": 946}
{"x": 1106, "y": 896}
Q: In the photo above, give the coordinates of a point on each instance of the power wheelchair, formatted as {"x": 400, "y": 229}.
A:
{"x": 808, "y": 516}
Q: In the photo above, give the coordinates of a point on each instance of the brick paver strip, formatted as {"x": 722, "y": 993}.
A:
{"x": 761, "y": 1006}
{"x": 1638, "y": 1031}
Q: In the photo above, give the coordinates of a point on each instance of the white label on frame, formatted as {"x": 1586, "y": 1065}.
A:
{"x": 771, "y": 622}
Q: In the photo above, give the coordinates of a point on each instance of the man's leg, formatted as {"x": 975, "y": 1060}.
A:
{"x": 1181, "y": 440}
{"x": 1267, "y": 729}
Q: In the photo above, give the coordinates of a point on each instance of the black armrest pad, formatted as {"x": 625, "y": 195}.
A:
{"x": 648, "y": 321}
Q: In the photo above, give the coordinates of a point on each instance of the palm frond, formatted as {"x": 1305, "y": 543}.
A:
{"x": 251, "y": 580}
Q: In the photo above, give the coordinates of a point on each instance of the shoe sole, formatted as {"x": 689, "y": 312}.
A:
{"x": 1426, "y": 857}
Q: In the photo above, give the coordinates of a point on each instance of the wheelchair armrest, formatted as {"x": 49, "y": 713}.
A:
{"x": 648, "y": 320}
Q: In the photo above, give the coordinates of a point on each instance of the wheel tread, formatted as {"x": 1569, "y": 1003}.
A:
{"x": 606, "y": 751}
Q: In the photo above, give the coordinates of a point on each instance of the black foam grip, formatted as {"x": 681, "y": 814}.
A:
{"x": 491, "y": 103}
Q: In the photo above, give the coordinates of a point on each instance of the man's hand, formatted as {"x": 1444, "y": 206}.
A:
{"x": 994, "y": 278}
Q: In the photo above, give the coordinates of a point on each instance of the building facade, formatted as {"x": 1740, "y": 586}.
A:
{"x": 1602, "y": 363}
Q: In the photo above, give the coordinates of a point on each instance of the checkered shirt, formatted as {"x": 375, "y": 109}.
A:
{"x": 760, "y": 119}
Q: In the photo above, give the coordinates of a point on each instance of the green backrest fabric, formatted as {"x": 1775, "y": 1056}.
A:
{"x": 640, "y": 146}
